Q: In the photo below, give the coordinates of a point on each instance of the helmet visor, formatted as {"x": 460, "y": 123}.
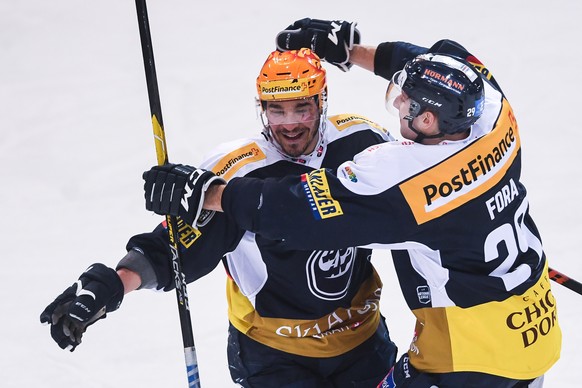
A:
{"x": 302, "y": 110}
{"x": 394, "y": 91}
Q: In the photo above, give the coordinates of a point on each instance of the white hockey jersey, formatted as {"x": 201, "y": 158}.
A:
{"x": 316, "y": 303}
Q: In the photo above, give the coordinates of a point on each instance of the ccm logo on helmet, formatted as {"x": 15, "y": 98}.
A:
{"x": 432, "y": 102}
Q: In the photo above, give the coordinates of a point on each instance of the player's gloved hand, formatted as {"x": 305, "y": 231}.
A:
{"x": 179, "y": 190}
{"x": 331, "y": 40}
{"x": 98, "y": 291}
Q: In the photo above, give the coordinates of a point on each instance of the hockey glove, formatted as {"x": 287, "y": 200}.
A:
{"x": 98, "y": 291}
{"x": 331, "y": 40}
{"x": 178, "y": 190}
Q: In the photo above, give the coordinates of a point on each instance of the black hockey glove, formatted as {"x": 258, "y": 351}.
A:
{"x": 331, "y": 40}
{"x": 178, "y": 190}
{"x": 98, "y": 291}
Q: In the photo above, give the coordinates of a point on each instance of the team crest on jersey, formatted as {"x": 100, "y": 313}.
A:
{"x": 329, "y": 273}
{"x": 316, "y": 189}
{"x": 234, "y": 161}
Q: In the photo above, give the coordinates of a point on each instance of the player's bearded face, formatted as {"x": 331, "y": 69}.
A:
{"x": 294, "y": 125}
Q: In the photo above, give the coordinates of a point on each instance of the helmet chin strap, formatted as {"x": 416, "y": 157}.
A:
{"x": 419, "y": 135}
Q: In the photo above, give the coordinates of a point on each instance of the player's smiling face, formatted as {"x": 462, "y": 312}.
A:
{"x": 294, "y": 125}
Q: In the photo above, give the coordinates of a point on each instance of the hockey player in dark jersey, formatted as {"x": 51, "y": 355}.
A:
{"x": 298, "y": 318}
{"x": 447, "y": 200}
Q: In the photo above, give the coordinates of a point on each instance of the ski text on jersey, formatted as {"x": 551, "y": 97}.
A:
{"x": 338, "y": 321}
{"x": 318, "y": 195}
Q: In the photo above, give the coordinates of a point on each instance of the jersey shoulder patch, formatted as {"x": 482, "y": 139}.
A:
{"x": 236, "y": 160}
{"x": 347, "y": 120}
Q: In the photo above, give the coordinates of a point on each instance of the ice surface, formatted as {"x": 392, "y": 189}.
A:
{"x": 77, "y": 135}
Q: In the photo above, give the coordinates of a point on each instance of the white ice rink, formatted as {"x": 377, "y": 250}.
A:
{"x": 76, "y": 136}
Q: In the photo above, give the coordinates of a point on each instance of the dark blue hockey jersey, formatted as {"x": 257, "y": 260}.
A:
{"x": 468, "y": 255}
{"x": 316, "y": 303}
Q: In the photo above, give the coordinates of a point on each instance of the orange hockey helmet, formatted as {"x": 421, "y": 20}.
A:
{"x": 292, "y": 75}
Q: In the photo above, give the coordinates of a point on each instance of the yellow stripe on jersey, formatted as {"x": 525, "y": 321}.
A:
{"x": 234, "y": 161}
{"x": 329, "y": 336}
{"x": 465, "y": 175}
{"x": 239, "y": 307}
{"x": 344, "y": 121}
{"x": 517, "y": 338}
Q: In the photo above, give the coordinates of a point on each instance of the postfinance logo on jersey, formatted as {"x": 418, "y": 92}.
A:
{"x": 234, "y": 161}
{"x": 465, "y": 175}
{"x": 318, "y": 195}
{"x": 344, "y": 121}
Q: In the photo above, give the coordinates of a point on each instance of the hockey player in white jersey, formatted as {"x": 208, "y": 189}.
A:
{"x": 447, "y": 200}
{"x": 298, "y": 318}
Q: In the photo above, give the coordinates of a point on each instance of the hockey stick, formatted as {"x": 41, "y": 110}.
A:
{"x": 162, "y": 155}
{"x": 564, "y": 280}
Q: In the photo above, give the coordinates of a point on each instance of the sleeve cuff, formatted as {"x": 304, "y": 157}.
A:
{"x": 136, "y": 261}
{"x": 241, "y": 200}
